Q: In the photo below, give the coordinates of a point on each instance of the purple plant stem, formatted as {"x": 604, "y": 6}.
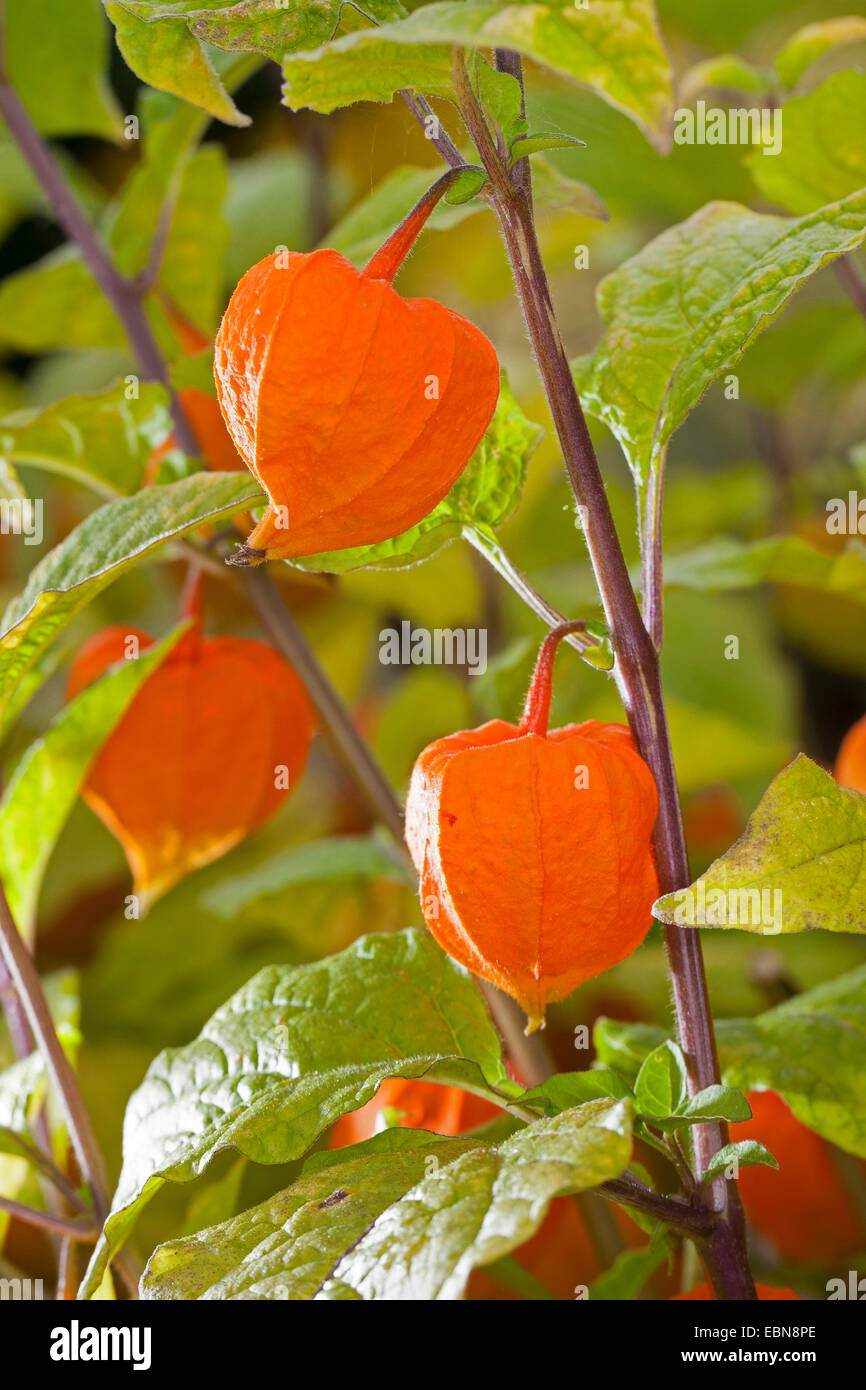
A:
{"x": 637, "y": 675}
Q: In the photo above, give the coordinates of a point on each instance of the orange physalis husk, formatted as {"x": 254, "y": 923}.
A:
{"x": 355, "y": 408}
{"x": 803, "y": 1207}
{"x": 201, "y": 410}
{"x": 533, "y": 847}
{"x": 209, "y": 749}
{"x": 850, "y": 769}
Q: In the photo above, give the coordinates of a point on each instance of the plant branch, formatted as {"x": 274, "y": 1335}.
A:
{"x": 84, "y": 1231}
{"x": 495, "y": 556}
{"x": 122, "y": 294}
{"x": 636, "y": 671}
{"x": 688, "y": 1220}
{"x": 426, "y": 116}
{"x": 47, "y": 1166}
{"x": 22, "y": 970}
{"x": 852, "y": 283}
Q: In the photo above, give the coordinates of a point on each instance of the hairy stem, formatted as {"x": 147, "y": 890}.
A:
{"x": 636, "y": 671}
{"x": 85, "y": 1231}
{"x": 22, "y": 970}
{"x": 852, "y": 282}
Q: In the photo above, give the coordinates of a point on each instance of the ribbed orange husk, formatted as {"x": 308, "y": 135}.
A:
{"x": 326, "y": 381}
{"x": 803, "y": 1207}
{"x": 766, "y": 1294}
{"x": 850, "y": 769}
{"x": 192, "y": 767}
{"x": 529, "y": 880}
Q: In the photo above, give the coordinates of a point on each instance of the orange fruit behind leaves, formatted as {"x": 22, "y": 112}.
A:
{"x": 850, "y": 769}
{"x": 766, "y": 1294}
{"x": 559, "y": 1255}
{"x": 533, "y": 848}
{"x": 802, "y": 1207}
{"x": 420, "y": 1105}
{"x": 192, "y": 767}
{"x": 355, "y": 408}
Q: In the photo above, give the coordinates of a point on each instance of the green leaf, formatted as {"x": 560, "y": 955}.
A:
{"x": 814, "y": 40}
{"x": 47, "y": 779}
{"x": 612, "y": 46}
{"x": 726, "y": 71}
{"x": 534, "y": 144}
{"x": 627, "y": 1275}
{"x": 56, "y": 58}
{"x": 102, "y": 440}
{"x": 20, "y": 1085}
{"x": 734, "y": 564}
{"x": 291, "y": 1052}
{"x": 747, "y": 1153}
{"x": 625, "y": 1046}
{"x": 480, "y": 1206}
{"x": 499, "y": 93}
{"x": 483, "y": 497}
{"x": 799, "y": 864}
{"x": 661, "y": 1087}
{"x": 684, "y": 309}
{"x": 716, "y": 1103}
{"x": 466, "y": 187}
{"x": 570, "y": 1088}
{"x": 105, "y": 545}
{"x": 320, "y": 861}
{"x": 285, "y": 1248}
{"x": 822, "y": 159}
{"x": 56, "y": 304}
{"x": 811, "y": 1050}
{"x": 166, "y": 55}
{"x": 162, "y": 40}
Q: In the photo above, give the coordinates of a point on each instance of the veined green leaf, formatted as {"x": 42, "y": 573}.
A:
{"x": 746, "y": 1153}
{"x": 822, "y": 158}
{"x": 162, "y": 40}
{"x": 482, "y": 497}
{"x": 811, "y": 42}
{"x": 662, "y": 1082}
{"x": 56, "y": 57}
{"x": 47, "y": 779}
{"x": 811, "y": 1050}
{"x": 567, "y": 1089}
{"x": 684, "y": 309}
{"x": 480, "y": 1206}
{"x": 166, "y": 55}
{"x": 343, "y": 856}
{"x": 105, "y": 545}
{"x": 612, "y": 46}
{"x": 285, "y": 1248}
{"x": 102, "y": 440}
{"x": 798, "y": 865}
{"x": 291, "y": 1052}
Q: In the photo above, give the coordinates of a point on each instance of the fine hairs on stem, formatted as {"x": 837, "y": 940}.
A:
{"x": 636, "y": 668}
